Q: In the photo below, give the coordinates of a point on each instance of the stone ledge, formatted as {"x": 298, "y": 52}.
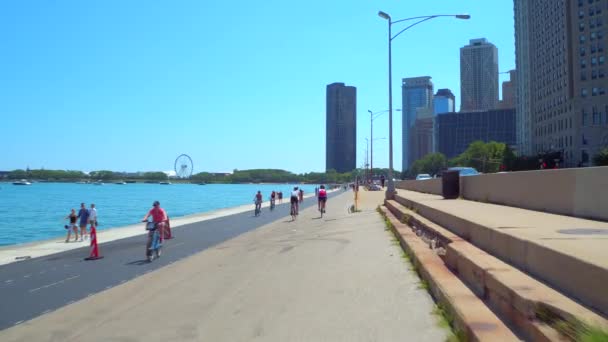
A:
{"x": 471, "y": 315}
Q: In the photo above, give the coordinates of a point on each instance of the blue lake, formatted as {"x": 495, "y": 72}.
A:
{"x": 36, "y": 212}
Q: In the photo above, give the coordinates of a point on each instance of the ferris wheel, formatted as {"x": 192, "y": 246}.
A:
{"x": 183, "y": 166}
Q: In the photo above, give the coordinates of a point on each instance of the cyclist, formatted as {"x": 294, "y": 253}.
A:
{"x": 322, "y": 198}
{"x": 273, "y": 196}
{"x": 159, "y": 217}
{"x": 258, "y": 202}
{"x": 294, "y": 201}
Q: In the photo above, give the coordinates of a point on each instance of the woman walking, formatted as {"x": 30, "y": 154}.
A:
{"x": 72, "y": 226}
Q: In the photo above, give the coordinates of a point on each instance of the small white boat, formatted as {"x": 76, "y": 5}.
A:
{"x": 99, "y": 182}
{"x": 120, "y": 183}
{"x": 22, "y": 182}
{"x": 165, "y": 183}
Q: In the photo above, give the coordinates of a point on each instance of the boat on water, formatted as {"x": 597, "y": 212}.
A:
{"x": 203, "y": 183}
{"x": 22, "y": 182}
{"x": 120, "y": 183}
{"x": 165, "y": 183}
{"x": 99, "y": 182}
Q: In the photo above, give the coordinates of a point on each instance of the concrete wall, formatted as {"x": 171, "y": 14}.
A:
{"x": 580, "y": 192}
{"x": 429, "y": 186}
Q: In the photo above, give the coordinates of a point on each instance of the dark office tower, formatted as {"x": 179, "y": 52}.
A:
{"x": 562, "y": 78}
{"x": 341, "y": 128}
{"x": 478, "y": 76}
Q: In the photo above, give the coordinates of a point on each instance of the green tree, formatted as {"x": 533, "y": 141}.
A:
{"x": 601, "y": 159}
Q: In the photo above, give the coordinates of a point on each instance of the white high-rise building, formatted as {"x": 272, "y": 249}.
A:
{"x": 478, "y": 76}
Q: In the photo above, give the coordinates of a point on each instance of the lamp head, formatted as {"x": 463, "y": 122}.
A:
{"x": 384, "y": 15}
{"x": 463, "y": 16}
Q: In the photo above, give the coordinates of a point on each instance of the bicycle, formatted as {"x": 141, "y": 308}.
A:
{"x": 154, "y": 244}
{"x": 258, "y": 208}
{"x": 294, "y": 210}
{"x": 322, "y": 206}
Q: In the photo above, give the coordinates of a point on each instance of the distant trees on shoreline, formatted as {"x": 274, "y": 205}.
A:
{"x": 238, "y": 176}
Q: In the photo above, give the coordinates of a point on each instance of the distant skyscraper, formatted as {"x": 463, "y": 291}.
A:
{"x": 478, "y": 76}
{"x": 341, "y": 128}
{"x": 562, "y": 92}
{"x": 443, "y": 102}
{"x": 417, "y": 92}
{"x": 509, "y": 92}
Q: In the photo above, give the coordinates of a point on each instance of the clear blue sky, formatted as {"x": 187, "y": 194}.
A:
{"x": 130, "y": 85}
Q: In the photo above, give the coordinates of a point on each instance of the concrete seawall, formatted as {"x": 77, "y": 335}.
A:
{"x": 580, "y": 192}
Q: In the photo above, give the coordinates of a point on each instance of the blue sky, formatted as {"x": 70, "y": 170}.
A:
{"x": 130, "y": 85}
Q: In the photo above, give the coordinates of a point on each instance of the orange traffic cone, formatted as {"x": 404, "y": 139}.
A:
{"x": 94, "y": 249}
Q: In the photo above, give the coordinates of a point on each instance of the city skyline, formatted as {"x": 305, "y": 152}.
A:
{"x": 106, "y": 86}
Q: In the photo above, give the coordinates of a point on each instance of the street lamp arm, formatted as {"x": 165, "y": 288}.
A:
{"x": 414, "y": 24}
{"x": 459, "y": 16}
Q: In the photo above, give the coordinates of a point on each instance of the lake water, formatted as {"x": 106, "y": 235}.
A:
{"x": 36, "y": 212}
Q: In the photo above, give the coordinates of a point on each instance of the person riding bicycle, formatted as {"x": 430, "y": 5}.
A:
{"x": 159, "y": 217}
{"x": 258, "y": 201}
{"x": 294, "y": 198}
{"x": 273, "y": 196}
{"x": 322, "y": 198}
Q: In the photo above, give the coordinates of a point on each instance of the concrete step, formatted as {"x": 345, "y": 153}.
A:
{"x": 523, "y": 302}
{"x": 525, "y": 239}
{"x": 470, "y": 314}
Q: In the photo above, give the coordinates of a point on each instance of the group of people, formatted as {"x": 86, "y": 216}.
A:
{"x": 84, "y": 217}
{"x": 296, "y": 197}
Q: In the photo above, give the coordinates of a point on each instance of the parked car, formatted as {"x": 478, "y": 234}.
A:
{"x": 465, "y": 171}
{"x": 423, "y": 176}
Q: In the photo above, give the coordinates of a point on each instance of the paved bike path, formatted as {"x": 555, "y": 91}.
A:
{"x": 36, "y": 286}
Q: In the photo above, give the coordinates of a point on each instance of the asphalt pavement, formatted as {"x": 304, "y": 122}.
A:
{"x": 36, "y": 286}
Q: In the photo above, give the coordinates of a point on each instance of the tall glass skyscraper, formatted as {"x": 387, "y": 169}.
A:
{"x": 443, "y": 102}
{"x": 416, "y": 92}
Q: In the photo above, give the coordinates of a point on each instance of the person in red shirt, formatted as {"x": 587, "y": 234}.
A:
{"x": 258, "y": 201}
{"x": 159, "y": 217}
{"x": 322, "y": 198}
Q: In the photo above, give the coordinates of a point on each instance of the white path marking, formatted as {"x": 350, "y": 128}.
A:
{"x": 53, "y": 284}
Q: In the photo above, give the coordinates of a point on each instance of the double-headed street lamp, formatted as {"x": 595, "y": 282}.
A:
{"x": 390, "y": 192}
{"x": 370, "y": 143}
{"x": 373, "y": 116}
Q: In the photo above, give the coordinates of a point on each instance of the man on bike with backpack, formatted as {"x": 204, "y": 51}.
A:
{"x": 159, "y": 217}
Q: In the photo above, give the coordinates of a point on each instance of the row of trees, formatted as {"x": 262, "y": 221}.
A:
{"x": 492, "y": 157}
{"x": 70, "y": 175}
{"x": 242, "y": 176}
{"x": 274, "y": 176}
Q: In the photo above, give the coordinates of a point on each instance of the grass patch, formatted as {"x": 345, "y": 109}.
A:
{"x": 573, "y": 330}
{"x": 424, "y": 285}
{"x": 446, "y": 321}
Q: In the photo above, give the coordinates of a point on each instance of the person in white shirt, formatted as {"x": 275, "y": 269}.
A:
{"x": 93, "y": 216}
{"x": 294, "y": 199}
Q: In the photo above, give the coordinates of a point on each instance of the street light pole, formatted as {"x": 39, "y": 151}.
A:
{"x": 390, "y": 191}
{"x": 371, "y": 139}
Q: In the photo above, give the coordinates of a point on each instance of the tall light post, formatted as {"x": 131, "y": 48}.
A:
{"x": 373, "y": 116}
{"x": 390, "y": 191}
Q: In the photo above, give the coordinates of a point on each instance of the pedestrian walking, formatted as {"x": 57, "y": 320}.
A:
{"x": 301, "y": 195}
{"x": 93, "y": 216}
{"x": 72, "y": 226}
{"x": 280, "y": 194}
{"x": 382, "y": 179}
{"x": 83, "y": 215}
